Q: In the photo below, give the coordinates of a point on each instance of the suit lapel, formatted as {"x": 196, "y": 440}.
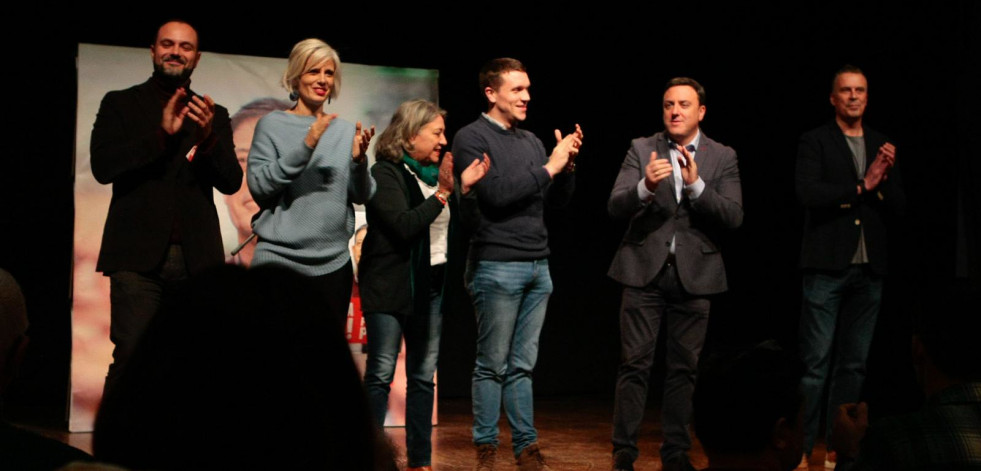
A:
{"x": 149, "y": 103}
{"x": 705, "y": 159}
{"x": 872, "y": 144}
{"x": 838, "y": 137}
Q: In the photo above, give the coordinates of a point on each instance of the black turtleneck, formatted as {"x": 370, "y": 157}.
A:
{"x": 166, "y": 85}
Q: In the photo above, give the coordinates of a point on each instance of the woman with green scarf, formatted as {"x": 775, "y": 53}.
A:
{"x": 400, "y": 274}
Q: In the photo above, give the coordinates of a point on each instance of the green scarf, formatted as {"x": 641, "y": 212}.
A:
{"x": 426, "y": 173}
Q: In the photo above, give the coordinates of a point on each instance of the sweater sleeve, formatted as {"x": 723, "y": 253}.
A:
{"x": 361, "y": 186}
{"x": 503, "y": 185}
{"x": 559, "y": 193}
{"x": 274, "y": 162}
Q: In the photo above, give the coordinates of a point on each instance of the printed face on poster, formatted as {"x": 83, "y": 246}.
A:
{"x": 249, "y": 88}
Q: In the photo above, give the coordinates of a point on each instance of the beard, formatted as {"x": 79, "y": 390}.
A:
{"x": 178, "y": 76}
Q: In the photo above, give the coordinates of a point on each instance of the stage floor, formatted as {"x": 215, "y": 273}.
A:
{"x": 574, "y": 434}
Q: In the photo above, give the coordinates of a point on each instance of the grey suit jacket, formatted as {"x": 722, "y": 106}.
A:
{"x": 697, "y": 226}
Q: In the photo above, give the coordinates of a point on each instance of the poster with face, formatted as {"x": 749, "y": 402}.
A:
{"x": 249, "y": 87}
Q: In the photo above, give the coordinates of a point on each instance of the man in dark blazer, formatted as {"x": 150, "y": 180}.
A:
{"x": 846, "y": 197}
{"x": 163, "y": 148}
{"x": 681, "y": 192}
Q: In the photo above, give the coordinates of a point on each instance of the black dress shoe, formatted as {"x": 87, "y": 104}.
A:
{"x": 622, "y": 461}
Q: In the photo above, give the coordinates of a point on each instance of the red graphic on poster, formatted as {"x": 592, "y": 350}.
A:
{"x": 355, "y": 321}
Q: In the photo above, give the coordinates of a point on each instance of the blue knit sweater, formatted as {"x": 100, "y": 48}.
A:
{"x": 306, "y": 195}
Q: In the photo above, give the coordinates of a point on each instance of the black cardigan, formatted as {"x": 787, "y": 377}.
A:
{"x": 393, "y": 273}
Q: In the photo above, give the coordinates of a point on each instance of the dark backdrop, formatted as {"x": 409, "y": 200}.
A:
{"x": 767, "y": 72}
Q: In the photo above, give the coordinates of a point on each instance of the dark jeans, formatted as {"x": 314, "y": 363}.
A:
{"x": 839, "y": 310}
{"x": 641, "y": 314}
{"x": 134, "y": 299}
{"x": 421, "y": 331}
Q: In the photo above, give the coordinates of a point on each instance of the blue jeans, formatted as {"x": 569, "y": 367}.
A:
{"x": 510, "y": 299}
{"x": 839, "y": 311}
{"x": 385, "y": 332}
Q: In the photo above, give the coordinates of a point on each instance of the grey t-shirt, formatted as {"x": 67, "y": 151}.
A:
{"x": 857, "y": 145}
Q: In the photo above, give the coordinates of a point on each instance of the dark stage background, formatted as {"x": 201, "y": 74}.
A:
{"x": 767, "y": 72}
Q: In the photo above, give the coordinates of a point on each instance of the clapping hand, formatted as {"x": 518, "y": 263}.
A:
{"x": 317, "y": 129}
{"x": 201, "y": 110}
{"x": 564, "y": 154}
{"x": 878, "y": 171}
{"x": 689, "y": 169}
{"x": 473, "y": 173}
{"x": 655, "y": 171}
{"x": 362, "y": 138}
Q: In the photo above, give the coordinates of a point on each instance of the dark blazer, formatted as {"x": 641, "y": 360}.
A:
{"x": 393, "y": 274}
{"x": 698, "y": 226}
{"x": 154, "y": 187}
{"x": 834, "y": 213}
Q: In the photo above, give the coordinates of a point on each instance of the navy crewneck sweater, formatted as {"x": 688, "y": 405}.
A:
{"x": 511, "y": 198}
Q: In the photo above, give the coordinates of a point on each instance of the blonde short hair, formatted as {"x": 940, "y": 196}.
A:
{"x": 408, "y": 120}
{"x": 313, "y": 51}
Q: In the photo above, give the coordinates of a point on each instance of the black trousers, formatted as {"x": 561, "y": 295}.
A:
{"x": 642, "y": 313}
{"x": 135, "y": 298}
{"x": 334, "y": 290}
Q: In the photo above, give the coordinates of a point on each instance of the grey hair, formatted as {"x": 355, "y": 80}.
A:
{"x": 410, "y": 117}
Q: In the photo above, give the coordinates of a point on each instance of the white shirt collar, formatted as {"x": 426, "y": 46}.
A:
{"x": 694, "y": 142}
{"x": 494, "y": 121}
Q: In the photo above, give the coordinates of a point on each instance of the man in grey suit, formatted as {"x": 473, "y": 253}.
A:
{"x": 681, "y": 192}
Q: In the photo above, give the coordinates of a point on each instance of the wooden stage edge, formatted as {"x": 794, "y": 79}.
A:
{"x": 574, "y": 434}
